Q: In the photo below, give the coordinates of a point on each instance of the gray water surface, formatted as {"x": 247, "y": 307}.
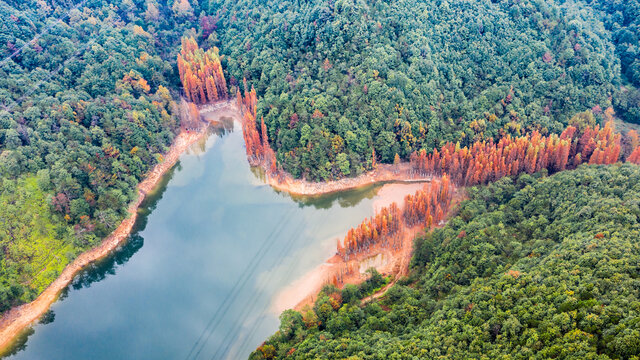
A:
{"x": 197, "y": 278}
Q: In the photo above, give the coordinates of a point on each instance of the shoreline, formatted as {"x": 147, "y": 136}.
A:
{"x": 388, "y": 262}
{"x": 19, "y": 318}
{"x": 382, "y": 173}
{"x": 305, "y": 287}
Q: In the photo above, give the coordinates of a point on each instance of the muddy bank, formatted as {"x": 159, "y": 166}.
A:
{"x": 382, "y": 173}
{"x": 304, "y": 290}
{"x": 16, "y": 320}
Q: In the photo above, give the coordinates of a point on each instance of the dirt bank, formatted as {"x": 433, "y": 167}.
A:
{"x": 19, "y": 318}
{"x": 304, "y": 290}
{"x": 382, "y": 173}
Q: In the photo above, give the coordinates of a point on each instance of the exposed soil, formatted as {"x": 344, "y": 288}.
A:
{"x": 382, "y": 173}
{"x": 386, "y": 261}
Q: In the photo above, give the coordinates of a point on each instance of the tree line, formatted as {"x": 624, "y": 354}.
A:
{"x": 487, "y": 161}
{"x": 259, "y": 152}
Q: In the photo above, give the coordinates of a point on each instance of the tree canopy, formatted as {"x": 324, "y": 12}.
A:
{"x": 337, "y": 80}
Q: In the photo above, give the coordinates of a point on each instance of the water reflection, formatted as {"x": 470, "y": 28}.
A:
{"x": 100, "y": 269}
{"x": 345, "y": 199}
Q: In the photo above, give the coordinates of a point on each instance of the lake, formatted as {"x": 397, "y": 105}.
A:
{"x": 197, "y": 279}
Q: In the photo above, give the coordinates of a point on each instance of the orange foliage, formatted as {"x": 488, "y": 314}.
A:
{"x": 379, "y": 230}
{"x": 256, "y": 141}
{"x": 514, "y": 273}
{"x": 428, "y": 206}
{"x": 487, "y": 161}
{"x": 634, "y": 158}
{"x": 201, "y": 73}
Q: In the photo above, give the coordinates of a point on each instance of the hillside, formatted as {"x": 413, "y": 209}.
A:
{"x": 338, "y": 80}
{"x": 538, "y": 267}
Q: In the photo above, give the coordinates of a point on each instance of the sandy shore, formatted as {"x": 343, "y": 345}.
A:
{"x": 382, "y": 173}
{"x": 304, "y": 290}
{"x": 16, "y": 320}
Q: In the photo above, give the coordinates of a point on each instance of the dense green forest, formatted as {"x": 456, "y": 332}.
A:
{"x": 533, "y": 267}
{"x": 622, "y": 19}
{"x": 337, "y": 79}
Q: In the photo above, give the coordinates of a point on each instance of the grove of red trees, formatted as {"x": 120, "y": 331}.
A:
{"x": 201, "y": 73}
{"x": 634, "y": 144}
{"x": 426, "y": 207}
{"x": 429, "y": 205}
{"x": 487, "y": 161}
{"x": 256, "y": 141}
{"x": 634, "y": 158}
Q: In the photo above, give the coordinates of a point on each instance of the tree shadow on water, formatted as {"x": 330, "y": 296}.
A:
{"x": 101, "y": 268}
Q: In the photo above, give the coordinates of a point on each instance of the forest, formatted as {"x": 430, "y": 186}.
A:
{"x": 532, "y": 267}
{"x": 479, "y": 90}
{"x": 413, "y": 75}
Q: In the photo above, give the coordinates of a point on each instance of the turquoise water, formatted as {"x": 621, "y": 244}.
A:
{"x": 197, "y": 278}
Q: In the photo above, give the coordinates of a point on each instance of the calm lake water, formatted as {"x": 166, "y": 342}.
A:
{"x": 197, "y": 278}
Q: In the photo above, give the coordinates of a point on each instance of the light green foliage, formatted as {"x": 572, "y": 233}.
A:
{"x": 35, "y": 244}
{"x": 535, "y": 268}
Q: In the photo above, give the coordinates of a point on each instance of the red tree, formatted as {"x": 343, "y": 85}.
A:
{"x": 201, "y": 73}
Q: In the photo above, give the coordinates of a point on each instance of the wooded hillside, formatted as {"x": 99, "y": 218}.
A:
{"x": 338, "y": 79}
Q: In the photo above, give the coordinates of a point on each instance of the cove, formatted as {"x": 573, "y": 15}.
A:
{"x": 197, "y": 278}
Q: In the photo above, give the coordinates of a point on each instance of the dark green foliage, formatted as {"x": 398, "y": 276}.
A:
{"x": 85, "y": 112}
{"x": 338, "y": 78}
{"x": 627, "y": 104}
{"x": 622, "y": 18}
{"x": 535, "y": 268}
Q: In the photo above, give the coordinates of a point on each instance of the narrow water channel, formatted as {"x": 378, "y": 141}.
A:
{"x": 197, "y": 278}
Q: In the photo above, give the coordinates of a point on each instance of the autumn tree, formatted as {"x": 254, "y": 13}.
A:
{"x": 426, "y": 207}
{"x": 201, "y": 73}
{"x": 259, "y": 152}
{"x": 486, "y": 161}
